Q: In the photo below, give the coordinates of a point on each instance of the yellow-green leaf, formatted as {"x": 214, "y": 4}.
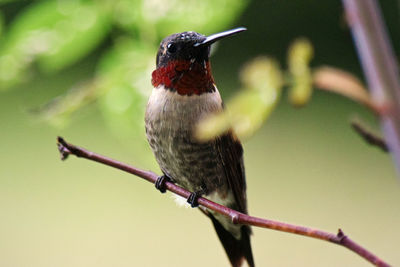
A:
{"x": 299, "y": 56}
{"x": 246, "y": 111}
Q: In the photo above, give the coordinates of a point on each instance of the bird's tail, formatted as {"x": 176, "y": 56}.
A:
{"x": 236, "y": 249}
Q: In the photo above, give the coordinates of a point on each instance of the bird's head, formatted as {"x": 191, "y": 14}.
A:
{"x": 183, "y": 62}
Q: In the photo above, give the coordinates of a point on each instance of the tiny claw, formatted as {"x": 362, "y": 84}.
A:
{"x": 160, "y": 183}
{"x": 193, "y": 199}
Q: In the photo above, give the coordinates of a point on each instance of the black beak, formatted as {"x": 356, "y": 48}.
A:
{"x": 215, "y": 37}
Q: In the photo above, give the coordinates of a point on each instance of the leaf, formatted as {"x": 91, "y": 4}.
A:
{"x": 202, "y": 16}
{"x": 299, "y": 56}
{"x": 127, "y": 15}
{"x": 245, "y": 113}
{"x": 58, "y": 33}
{"x": 261, "y": 74}
{"x": 80, "y": 30}
{"x": 124, "y": 75}
{"x": 341, "y": 82}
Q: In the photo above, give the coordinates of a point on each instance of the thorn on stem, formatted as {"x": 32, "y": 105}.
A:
{"x": 340, "y": 234}
{"x": 62, "y": 148}
{"x": 370, "y": 137}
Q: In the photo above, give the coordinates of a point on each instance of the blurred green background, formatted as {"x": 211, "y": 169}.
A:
{"x": 304, "y": 166}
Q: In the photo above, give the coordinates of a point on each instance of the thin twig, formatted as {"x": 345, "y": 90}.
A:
{"x": 238, "y": 218}
{"x": 370, "y": 137}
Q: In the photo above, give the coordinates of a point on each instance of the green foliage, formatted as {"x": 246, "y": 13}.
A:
{"x": 77, "y": 31}
{"x": 56, "y": 34}
{"x": 157, "y": 18}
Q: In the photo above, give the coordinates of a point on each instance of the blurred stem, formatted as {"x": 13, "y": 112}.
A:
{"x": 379, "y": 64}
{"x": 340, "y": 238}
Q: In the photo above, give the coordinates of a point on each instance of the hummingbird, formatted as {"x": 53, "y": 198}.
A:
{"x": 184, "y": 93}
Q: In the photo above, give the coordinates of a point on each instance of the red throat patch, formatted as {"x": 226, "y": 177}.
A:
{"x": 185, "y": 77}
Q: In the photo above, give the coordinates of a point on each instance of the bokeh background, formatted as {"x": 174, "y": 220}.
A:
{"x": 81, "y": 69}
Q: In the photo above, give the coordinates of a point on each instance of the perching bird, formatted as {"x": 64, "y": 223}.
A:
{"x": 184, "y": 92}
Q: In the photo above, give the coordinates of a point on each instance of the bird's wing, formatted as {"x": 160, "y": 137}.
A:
{"x": 231, "y": 155}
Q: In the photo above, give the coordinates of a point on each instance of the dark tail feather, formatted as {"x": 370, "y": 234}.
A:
{"x": 237, "y": 250}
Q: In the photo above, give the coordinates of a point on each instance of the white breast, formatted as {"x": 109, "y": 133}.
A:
{"x": 171, "y": 107}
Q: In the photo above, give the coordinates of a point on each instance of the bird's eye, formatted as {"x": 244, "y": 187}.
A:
{"x": 171, "y": 48}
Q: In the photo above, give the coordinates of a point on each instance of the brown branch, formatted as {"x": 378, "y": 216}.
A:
{"x": 369, "y": 137}
{"x": 379, "y": 64}
{"x": 340, "y": 238}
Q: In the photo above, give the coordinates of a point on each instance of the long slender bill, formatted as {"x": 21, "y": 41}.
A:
{"x": 217, "y": 36}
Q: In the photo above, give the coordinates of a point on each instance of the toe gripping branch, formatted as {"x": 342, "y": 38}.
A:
{"x": 193, "y": 199}
{"x": 160, "y": 183}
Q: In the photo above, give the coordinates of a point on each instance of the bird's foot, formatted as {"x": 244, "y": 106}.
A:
{"x": 160, "y": 183}
{"x": 193, "y": 199}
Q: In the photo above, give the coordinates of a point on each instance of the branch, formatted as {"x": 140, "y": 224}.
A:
{"x": 369, "y": 137}
{"x": 379, "y": 64}
{"x": 340, "y": 238}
